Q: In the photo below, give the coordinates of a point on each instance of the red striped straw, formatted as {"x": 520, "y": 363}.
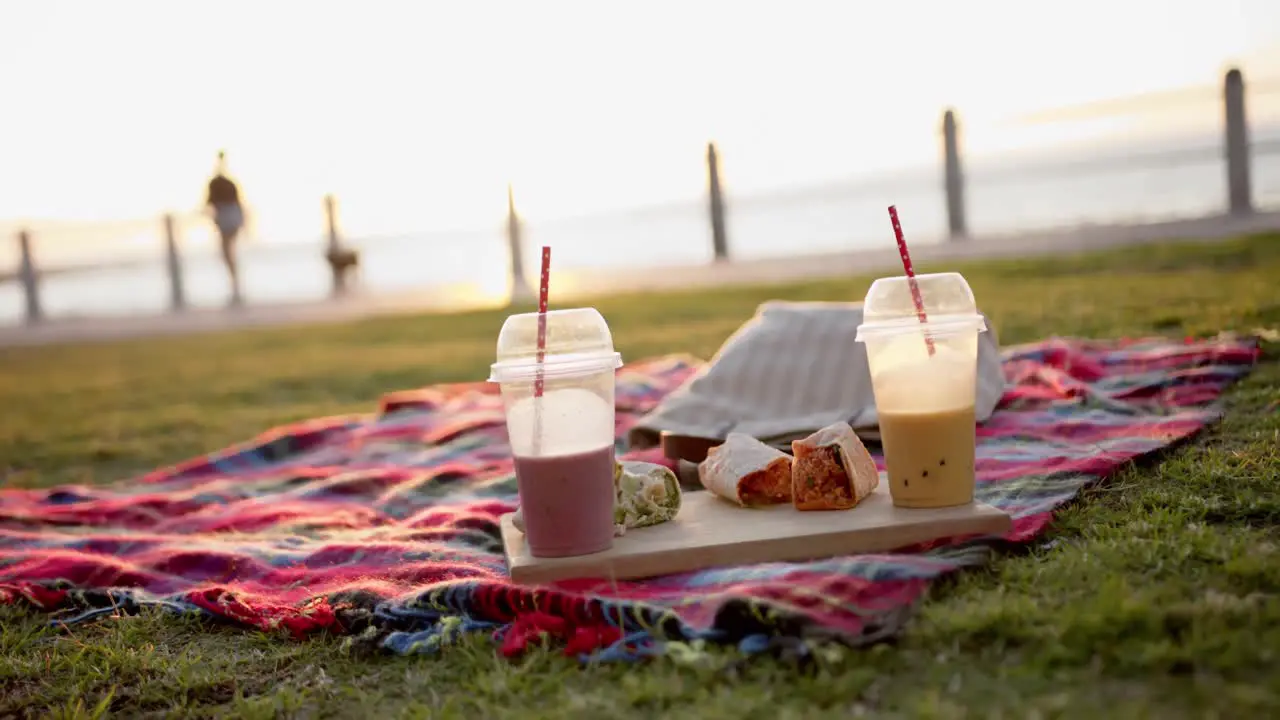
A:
{"x": 543, "y": 287}
{"x": 911, "y": 275}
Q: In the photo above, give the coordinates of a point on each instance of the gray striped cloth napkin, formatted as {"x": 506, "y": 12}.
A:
{"x": 789, "y": 371}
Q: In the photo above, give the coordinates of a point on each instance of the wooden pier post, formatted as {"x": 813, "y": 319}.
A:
{"x": 1239, "y": 191}
{"x": 520, "y": 290}
{"x": 177, "y": 292}
{"x": 719, "y": 239}
{"x": 953, "y": 177}
{"x": 342, "y": 261}
{"x": 30, "y": 278}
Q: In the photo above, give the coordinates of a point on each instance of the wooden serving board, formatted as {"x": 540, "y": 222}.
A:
{"x": 711, "y": 532}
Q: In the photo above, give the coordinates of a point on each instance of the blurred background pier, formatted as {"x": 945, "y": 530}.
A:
{"x": 713, "y": 185}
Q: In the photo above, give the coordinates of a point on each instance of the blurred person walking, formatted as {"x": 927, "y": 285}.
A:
{"x": 228, "y": 214}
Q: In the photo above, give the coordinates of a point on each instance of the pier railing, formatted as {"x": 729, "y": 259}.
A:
{"x": 1236, "y": 152}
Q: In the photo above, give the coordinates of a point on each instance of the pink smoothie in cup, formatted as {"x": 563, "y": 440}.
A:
{"x": 561, "y": 441}
{"x": 567, "y": 502}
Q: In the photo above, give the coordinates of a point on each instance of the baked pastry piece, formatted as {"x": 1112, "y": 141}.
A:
{"x": 832, "y": 470}
{"x": 747, "y": 471}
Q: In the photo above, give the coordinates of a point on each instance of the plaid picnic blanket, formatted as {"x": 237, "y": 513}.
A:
{"x": 385, "y": 527}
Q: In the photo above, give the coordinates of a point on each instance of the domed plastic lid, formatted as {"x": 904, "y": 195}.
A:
{"x": 889, "y": 308}
{"x": 578, "y": 342}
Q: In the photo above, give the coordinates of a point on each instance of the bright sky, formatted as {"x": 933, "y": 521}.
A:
{"x": 416, "y": 114}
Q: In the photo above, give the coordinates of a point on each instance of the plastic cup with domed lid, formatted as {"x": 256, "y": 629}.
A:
{"x": 562, "y": 440}
{"x": 922, "y": 351}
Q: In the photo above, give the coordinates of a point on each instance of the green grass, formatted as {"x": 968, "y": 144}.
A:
{"x": 1156, "y": 595}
